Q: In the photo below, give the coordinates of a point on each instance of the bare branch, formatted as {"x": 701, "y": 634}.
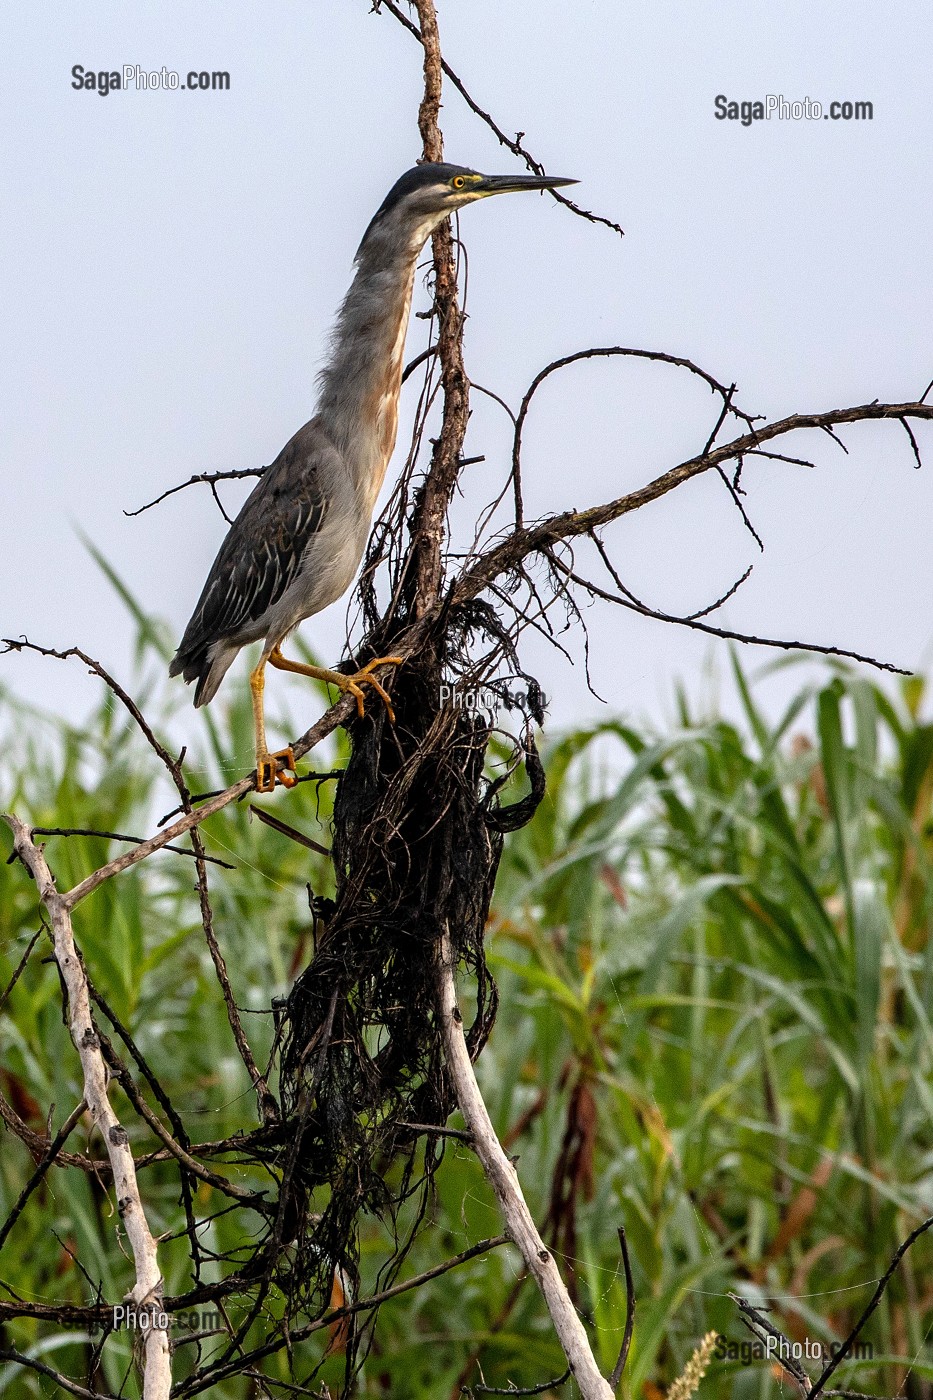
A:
{"x": 212, "y": 1375}
{"x": 319, "y": 731}
{"x": 913, "y": 442}
{"x": 842, "y": 1352}
{"x": 118, "y": 836}
{"x": 20, "y": 966}
{"x": 32, "y": 1364}
{"x": 200, "y": 478}
{"x": 504, "y": 557}
{"x": 503, "y": 1178}
{"x": 48, "y": 1158}
{"x": 733, "y": 489}
{"x": 147, "y": 1292}
{"x": 554, "y": 1384}
{"x": 726, "y": 633}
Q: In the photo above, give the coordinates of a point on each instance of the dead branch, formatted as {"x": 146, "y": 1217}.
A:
{"x": 554, "y": 1384}
{"x": 117, "y": 836}
{"x": 509, "y": 554}
{"x": 503, "y": 1178}
{"x": 64, "y": 1382}
{"x": 200, "y": 479}
{"x": 48, "y": 1157}
{"x": 147, "y": 1291}
{"x": 627, "y": 599}
{"x": 619, "y": 1367}
{"x": 840, "y": 1356}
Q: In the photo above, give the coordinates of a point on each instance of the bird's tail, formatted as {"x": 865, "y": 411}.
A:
{"x": 207, "y": 666}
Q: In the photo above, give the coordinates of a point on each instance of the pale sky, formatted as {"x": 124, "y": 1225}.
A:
{"x": 174, "y": 261}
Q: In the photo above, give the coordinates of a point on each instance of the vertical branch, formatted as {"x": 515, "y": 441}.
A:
{"x": 428, "y": 532}
{"x": 147, "y": 1292}
{"x": 428, "y": 524}
{"x": 503, "y": 1178}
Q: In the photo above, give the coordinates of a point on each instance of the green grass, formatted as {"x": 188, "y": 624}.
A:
{"x": 714, "y": 956}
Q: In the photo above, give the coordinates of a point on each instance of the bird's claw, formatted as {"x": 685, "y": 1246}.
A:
{"x": 364, "y": 676}
{"x": 272, "y": 768}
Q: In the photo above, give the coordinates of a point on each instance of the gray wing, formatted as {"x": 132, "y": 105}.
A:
{"x": 261, "y": 554}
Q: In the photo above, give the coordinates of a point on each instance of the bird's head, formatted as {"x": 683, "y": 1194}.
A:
{"x": 428, "y": 193}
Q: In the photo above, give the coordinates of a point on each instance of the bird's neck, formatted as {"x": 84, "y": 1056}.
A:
{"x": 359, "y": 386}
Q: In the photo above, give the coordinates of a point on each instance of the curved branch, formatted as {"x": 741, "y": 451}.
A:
{"x": 504, "y": 557}
{"x": 605, "y": 352}
{"x": 726, "y": 633}
{"x": 328, "y": 722}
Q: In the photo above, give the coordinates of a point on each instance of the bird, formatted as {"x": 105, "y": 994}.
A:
{"x": 296, "y": 545}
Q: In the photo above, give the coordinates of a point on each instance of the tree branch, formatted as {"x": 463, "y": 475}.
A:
{"x": 504, "y": 1180}
{"x": 200, "y": 478}
{"x": 147, "y": 1292}
{"x": 505, "y": 557}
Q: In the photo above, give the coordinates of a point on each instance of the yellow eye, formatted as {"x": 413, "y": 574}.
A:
{"x": 458, "y": 182}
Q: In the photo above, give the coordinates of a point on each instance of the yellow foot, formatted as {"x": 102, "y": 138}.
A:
{"x": 275, "y": 767}
{"x": 353, "y": 684}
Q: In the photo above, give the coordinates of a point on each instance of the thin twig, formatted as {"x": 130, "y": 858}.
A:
{"x": 782, "y": 644}
{"x": 515, "y": 146}
{"x": 33, "y": 1364}
{"x": 555, "y": 1384}
{"x": 506, "y": 556}
{"x": 840, "y": 1355}
{"x": 200, "y": 478}
{"x": 20, "y": 968}
{"x": 913, "y": 442}
{"x": 213, "y": 1375}
{"x": 118, "y": 836}
{"x": 48, "y": 1158}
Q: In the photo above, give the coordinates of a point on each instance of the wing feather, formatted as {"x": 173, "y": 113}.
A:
{"x": 262, "y": 552}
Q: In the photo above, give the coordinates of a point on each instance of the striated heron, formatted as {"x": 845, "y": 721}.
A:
{"x": 296, "y": 545}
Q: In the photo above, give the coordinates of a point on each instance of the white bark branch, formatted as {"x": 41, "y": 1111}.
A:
{"x": 503, "y": 1178}
{"x": 146, "y": 1295}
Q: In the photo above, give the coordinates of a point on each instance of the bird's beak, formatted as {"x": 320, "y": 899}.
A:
{"x": 507, "y": 184}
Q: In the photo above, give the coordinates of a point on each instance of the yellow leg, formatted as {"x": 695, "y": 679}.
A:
{"x": 270, "y": 767}
{"x": 351, "y": 685}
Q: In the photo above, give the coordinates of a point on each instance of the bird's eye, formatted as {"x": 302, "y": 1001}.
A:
{"x": 458, "y": 182}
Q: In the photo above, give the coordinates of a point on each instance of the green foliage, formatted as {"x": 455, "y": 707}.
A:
{"x": 714, "y": 956}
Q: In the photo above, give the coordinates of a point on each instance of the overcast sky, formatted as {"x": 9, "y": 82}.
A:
{"x": 174, "y": 260}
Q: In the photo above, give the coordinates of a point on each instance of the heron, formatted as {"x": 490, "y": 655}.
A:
{"x": 297, "y": 543}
